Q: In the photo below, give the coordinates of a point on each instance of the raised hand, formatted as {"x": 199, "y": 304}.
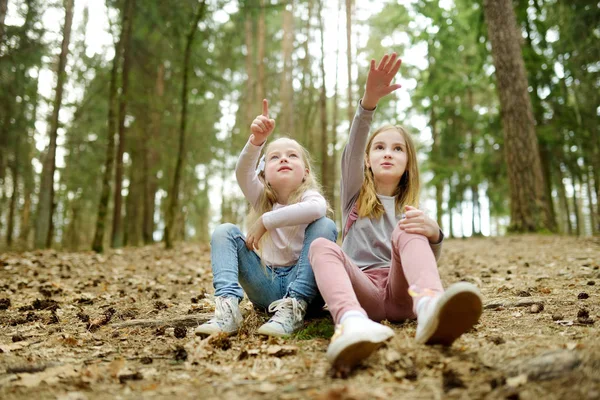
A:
{"x": 417, "y": 221}
{"x": 262, "y": 126}
{"x": 379, "y": 80}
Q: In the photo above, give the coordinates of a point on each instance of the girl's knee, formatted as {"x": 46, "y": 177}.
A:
{"x": 322, "y": 228}
{"x": 224, "y": 231}
{"x": 401, "y": 236}
{"x": 321, "y": 246}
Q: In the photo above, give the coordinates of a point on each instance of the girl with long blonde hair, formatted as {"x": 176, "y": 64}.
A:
{"x": 271, "y": 262}
{"x": 386, "y": 267}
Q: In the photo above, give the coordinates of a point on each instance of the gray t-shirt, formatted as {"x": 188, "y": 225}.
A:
{"x": 369, "y": 240}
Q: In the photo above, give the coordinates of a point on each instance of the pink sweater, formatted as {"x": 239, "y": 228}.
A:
{"x": 285, "y": 223}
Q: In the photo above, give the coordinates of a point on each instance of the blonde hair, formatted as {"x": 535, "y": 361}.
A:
{"x": 407, "y": 191}
{"x": 268, "y": 197}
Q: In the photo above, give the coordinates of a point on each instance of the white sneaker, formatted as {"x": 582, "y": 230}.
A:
{"x": 354, "y": 340}
{"x": 445, "y": 317}
{"x": 227, "y": 319}
{"x": 289, "y": 317}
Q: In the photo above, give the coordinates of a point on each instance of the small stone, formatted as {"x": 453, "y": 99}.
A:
{"x": 536, "y": 308}
{"x": 591, "y": 283}
{"x": 583, "y": 296}
{"x": 557, "y": 317}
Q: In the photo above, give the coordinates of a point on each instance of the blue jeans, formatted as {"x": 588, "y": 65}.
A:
{"x": 234, "y": 265}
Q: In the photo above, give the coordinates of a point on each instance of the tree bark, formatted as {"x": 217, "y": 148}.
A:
{"x": 564, "y": 200}
{"x": 286, "y": 119}
{"x": 334, "y": 122}
{"x": 260, "y": 88}
{"x": 3, "y": 10}
{"x": 250, "y": 92}
{"x": 116, "y": 236}
{"x": 327, "y": 184}
{"x": 529, "y": 206}
{"x": 151, "y": 159}
{"x": 174, "y": 195}
{"x": 98, "y": 243}
{"x": 350, "y": 110}
{"x": 46, "y": 197}
{"x": 15, "y": 193}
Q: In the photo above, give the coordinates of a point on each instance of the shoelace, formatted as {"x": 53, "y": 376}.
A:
{"x": 289, "y": 307}
{"x": 224, "y": 311}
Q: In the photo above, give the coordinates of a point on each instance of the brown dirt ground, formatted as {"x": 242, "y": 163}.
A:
{"x": 95, "y": 359}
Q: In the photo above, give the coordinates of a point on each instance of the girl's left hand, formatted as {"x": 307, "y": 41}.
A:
{"x": 417, "y": 221}
{"x": 255, "y": 233}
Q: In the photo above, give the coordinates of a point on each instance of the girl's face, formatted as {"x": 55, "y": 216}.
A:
{"x": 388, "y": 157}
{"x": 284, "y": 167}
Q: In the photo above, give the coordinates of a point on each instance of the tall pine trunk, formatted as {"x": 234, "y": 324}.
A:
{"x": 46, "y": 196}
{"x": 529, "y": 208}
{"x": 327, "y": 184}
{"x": 260, "y": 88}
{"x": 15, "y": 194}
{"x": 351, "y": 106}
{"x": 170, "y": 227}
{"x": 98, "y": 243}
{"x": 286, "y": 118}
{"x": 3, "y": 10}
{"x": 116, "y": 236}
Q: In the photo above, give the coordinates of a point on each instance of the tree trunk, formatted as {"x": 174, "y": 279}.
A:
{"x": 151, "y": 159}
{"x": 435, "y": 154}
{"x": 476, "y": 230}
{"x": 562, "y": 194}
{"x": 14, "y": 195}
{"x": 590, "y": 193}
{"x": 98, "y": 243}
{"x": 116, "y": 236}
{"x": 250, "y": 92}
{"x": 286, "y": 118}
{"x": 3, "y": 10}
{"x": 576, "y": 209}
{"x": 327, "y": 185}
{"x": 46, "y": 197}
{"x": 351, "y": 106}
{"x": 334, "y": 124}
{"x": 529, "y": 206}
{"x": 260, "y": 88}
{"x": 174, "y": 195}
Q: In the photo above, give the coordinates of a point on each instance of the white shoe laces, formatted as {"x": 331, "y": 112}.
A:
{"x": 287, "y": 310}
{"x": 225, "y": 311}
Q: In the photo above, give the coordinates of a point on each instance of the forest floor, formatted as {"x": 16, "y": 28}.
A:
{"x": 70, "y": 329}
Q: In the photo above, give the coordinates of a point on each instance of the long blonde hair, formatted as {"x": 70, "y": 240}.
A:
{"x": 407, "y": 191}
{"x": 268, "y": 197}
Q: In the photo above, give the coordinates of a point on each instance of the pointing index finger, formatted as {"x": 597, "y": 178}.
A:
{"x": 265, "y": 108}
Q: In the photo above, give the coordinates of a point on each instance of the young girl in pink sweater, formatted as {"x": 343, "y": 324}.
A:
{"x": 386, "y": 267}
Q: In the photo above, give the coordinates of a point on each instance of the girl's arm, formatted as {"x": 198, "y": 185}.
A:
{"x": 379, "y": 84}
{"x": 312, "y": 207}
{"x": 245, "y": 173}
{"x": 353, "y": 156}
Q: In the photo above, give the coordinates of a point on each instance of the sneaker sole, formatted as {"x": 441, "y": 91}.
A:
{"x": 354, "y": 353}
{"x": 266, "y": 332}
{"x": 459, "y": 313}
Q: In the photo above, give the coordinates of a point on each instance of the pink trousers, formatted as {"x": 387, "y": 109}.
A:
{"x": 380, "y": 293}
